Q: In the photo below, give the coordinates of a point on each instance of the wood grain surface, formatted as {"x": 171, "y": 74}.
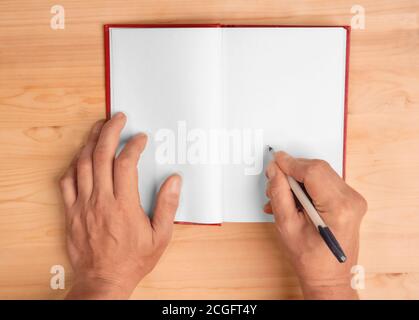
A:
{"x": 52, "y": 90}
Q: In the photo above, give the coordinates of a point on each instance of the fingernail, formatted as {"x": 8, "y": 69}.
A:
{"x": 176, "y": 184}
{"x": 119, "y": 115}
{"x": 270, "y": 172}
{"x": 179, "y": 173}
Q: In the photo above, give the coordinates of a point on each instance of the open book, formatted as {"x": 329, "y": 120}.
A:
{"x": 211, "y": 98}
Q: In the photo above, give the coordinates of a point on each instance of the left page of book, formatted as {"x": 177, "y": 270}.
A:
{"x": 167, "y": 81}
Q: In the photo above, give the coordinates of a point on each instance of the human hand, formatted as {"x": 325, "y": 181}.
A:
{"x": 341, "y": 207}
{"x": 112, "y": 244}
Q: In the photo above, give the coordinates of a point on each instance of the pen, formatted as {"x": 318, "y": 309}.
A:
{"x": 314, "y": 216}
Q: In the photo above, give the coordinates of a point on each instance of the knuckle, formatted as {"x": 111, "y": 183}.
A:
{"x": 317, "y": 166}
{"x": 100, "y": 153}
{"x": 362, "y": 204}
{"x": 107, "y": 126}
{"x": 123, "y": 163}
{"x": 84, "y": 164}
{"x": 169, "y": 201}
{"x": 355, "y": 203}
{"x": 280, "y": 157}
{"x": 270, "y": 170}
{"x": 274, "y": 191}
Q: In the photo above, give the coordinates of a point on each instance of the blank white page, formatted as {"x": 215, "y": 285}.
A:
{"x": 160, "y": 77}
{"x": 290, "y": 82}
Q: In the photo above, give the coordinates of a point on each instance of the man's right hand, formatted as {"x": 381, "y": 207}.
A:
{"x": 341, "y": 207}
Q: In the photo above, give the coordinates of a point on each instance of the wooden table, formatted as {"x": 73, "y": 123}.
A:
{"x": 52, "y": 90}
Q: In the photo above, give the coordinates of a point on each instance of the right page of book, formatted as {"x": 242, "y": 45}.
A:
{"x": 284, "y": 87}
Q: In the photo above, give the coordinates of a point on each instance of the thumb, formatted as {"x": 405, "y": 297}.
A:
{"x": 166, "y": 206}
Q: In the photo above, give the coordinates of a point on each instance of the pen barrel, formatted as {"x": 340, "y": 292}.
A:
{"x": 306, "y": 203}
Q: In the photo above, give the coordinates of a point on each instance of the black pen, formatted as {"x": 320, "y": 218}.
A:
{"x": 314, "y": 216}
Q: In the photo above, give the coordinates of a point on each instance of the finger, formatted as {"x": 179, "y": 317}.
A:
{"x": 267, "y": 208}
{"x": 126, "y": 173}
{"x": 84, "y": 166}
{"x": 166, "y": 206}
{"x": 296, "y": 168}
{"x": 104, "y": 153}
{"x": 314, "y": 174}
{"x": 68, "y": 184}
{"x": 280, "y": 194}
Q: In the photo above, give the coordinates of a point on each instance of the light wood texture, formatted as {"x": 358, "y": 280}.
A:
{"x": 52, "y": 90}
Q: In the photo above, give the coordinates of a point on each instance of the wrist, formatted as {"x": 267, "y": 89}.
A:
{"x": 336, "y": 289}
{"x": 101, "y": 288}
